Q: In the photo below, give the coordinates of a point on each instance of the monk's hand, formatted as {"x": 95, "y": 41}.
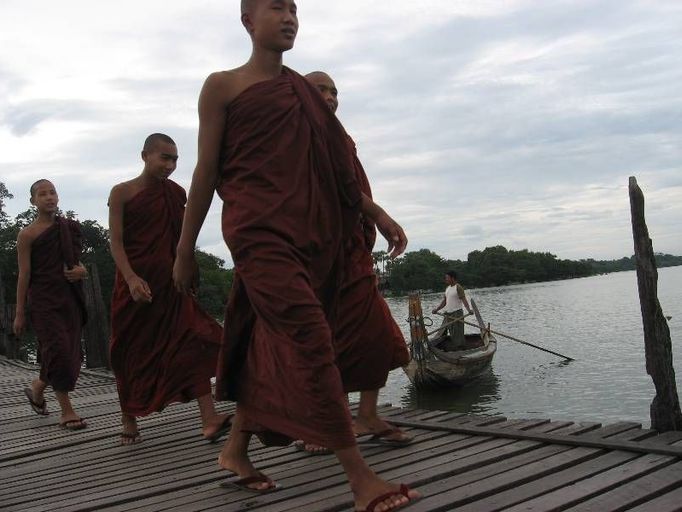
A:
{"x": 393, "y": 233}
{"x": 77, "y": 273}
{"x": 19, "y": 323}
{"x": 185, "y": 272}
{"x": 139, "y": 289}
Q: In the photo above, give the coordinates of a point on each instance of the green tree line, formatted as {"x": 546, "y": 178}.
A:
{"x": 493, "y": 266}
{"x": 215, "y": 280}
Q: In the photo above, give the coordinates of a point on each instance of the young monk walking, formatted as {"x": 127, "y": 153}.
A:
{"x": 281, "y": 162}
{"x": 50, "y": 276}
{"x": 368, "y": 342}
{"x": 164, "y": 348}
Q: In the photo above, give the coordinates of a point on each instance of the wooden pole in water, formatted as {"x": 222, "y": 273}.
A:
{"x": 665, "y": 407}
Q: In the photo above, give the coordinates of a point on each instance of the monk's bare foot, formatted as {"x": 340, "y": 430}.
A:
{"x": 376, "y": 425}
{"x": 218, "y": 426}
{"x": 130, "y": 434}
{"x": 243, "y": 468}
{"x": 391, "y": 496}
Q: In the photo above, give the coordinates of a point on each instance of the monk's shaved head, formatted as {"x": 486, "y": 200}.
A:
{"x": 318, "y": 75}
{"x": 39, "y": 182}
{"x": 151, "y": 141}
{"x": 324, "y": 83}
{"x": 247, "y": 5}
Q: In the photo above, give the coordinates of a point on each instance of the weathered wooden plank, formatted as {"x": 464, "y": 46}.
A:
{"x": 636, "y": 492}
{"x": 554, "y": 438}
{"x": 668, "y": 502}
{"x": 670, "y": 437}
{"x": 430, "y": 468}
{"x": 447, "y": 494}
{"x": 292, "y": 475}
{"x": 322, "y": 470}
{"x": 573, "y": 485}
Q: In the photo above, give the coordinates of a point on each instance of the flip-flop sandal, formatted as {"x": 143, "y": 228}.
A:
{"x": 40, "y": 409}
{"x": 80, "y": 424}
{"x": 383, "y": 438}
{"x": 133, "y": 436}
{"x": 242, "y": 484}
{"x": 321, "y": 450}
{"x": 224, "y": 428}
{"x": 404, "y": 490}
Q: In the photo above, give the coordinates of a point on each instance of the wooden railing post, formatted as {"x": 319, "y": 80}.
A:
{"x": 96, "y": 332}
{"x": 4, "y": 327}
{"x": 665, "y": 407}
{"x": 9, "y": 343}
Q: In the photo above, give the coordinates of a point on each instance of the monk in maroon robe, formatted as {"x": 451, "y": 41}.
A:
{"x": 164, "y": 347}
{"x": 367, "y": 336}
{"x": 281, "y": 163}
{"x": 50, "y": 274}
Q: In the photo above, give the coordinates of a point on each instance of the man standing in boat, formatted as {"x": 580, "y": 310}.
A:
{"x": 452, "y": 304}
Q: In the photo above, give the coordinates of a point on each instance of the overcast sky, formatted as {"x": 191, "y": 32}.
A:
{"x": 479, "y": 122}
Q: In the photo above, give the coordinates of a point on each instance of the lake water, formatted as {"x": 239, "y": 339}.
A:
{"x": 595, "y": 320}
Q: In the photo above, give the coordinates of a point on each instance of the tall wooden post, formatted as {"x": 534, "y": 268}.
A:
{"x": 3, "y": 320}
{"x": 665, "y": 407}
{"x": 96, "y": 332}
{"x": 8, "y": 342}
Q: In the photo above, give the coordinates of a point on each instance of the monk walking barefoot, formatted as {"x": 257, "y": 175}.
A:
{"x": 164, "y": 348}
{"x": 281, "y": 162}
{"x": 50, "y": 275}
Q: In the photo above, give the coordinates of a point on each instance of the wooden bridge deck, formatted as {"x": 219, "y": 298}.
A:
{"x": 458, "y": 462}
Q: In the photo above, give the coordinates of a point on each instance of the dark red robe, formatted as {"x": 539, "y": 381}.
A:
{"x": 368, "y": 343}
{"x": 164, "y": 351}
{"x": 57, "y": 307}
{"x": 291, "y": 202}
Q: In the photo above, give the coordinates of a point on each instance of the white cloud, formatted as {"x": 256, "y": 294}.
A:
{"x": 479, "y": 123}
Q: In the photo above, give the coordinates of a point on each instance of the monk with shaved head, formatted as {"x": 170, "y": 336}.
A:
{"x": 368, "y": 342}
{"x": 281, "y": 162}
{"x": 164, "y": 348}
{"x": 50, "y": 278}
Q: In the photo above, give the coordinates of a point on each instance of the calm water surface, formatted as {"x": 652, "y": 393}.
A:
{"x": 595, "y": 320}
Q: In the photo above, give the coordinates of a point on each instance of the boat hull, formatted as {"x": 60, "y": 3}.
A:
{"x": 458, "y": 369}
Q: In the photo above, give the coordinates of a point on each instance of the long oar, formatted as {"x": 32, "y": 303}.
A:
{"x": 448, "y": 324}
{"x": 518, "y": 340}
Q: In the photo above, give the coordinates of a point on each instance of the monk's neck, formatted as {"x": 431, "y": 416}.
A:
{"x": 147, "y": 179}
{"x": 46, "y": 218}
{"x": 265, "y": 62}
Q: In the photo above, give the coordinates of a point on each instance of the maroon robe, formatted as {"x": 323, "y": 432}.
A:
{"x": 57, "y": 307}
{"x": 291, "y": 201}
{"x": 164, "y": 351}
{"x": 368, "y": 341}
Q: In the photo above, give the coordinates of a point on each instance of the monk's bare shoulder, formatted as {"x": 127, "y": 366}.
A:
{"x": 28, "y": 234}
{"x": 222, "y": 87}
{"x": 122, "y": 192}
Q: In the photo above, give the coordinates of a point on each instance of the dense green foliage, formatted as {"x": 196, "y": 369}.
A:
{"x": 493, "y": 266}
{"x": 215, "y": 280}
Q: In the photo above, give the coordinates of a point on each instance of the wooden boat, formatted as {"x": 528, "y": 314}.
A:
{"x": 431, "y": 367}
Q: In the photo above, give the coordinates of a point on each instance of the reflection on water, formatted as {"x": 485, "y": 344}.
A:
{"x": 595, "y": 320}
{"x": 477, "y": 397}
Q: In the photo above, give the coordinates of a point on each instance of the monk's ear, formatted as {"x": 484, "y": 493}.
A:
{"x": 248, "y": 24}
{"x": 144, "y": 155}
